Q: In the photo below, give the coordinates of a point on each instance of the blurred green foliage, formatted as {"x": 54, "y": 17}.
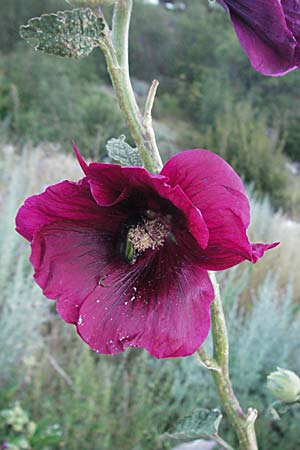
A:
{"x": 242, "y": 137}
{"x": 18, "y": 432}
{"x": 16, "y": 12}
{"x": 57, "y": 102}
{"x": 292, "y": 145}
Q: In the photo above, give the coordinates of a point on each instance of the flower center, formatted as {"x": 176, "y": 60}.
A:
{"x": 149, "y": 234}
{"x": 147, "y": 231}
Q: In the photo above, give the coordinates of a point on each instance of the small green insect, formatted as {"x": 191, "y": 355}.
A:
{"x": 126, "y": 249}
{"x": 130, "y": 252}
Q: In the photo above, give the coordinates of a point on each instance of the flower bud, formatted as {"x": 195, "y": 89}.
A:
{"x": 90, "y": 3}
{"x": 284, "y": 385}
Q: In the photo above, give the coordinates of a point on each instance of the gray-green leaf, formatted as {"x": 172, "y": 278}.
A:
{"x": 70, "y": 34}
{"x": 203, "y": 423}
{"x": 120, "y": 151}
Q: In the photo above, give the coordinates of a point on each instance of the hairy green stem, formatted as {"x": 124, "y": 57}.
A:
{"x": 242, "y": 423}
{"x": 115, "y": 49}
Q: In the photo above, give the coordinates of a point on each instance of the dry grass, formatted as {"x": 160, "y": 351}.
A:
{"x": 43, "y": 165}
{"x": 267, "y": 226}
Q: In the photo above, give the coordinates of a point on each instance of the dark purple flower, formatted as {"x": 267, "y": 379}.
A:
{"x": 269, "y": 32}
{"x": 125, "y": 252}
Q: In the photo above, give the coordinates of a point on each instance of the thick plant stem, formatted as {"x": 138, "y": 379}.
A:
{"x": 242, "y": 423}
{"x": 115, "y": 49}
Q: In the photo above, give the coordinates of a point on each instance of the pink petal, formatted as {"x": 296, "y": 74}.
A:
{"x": 70, "y": 258}
{"x": 107, "y": 182}
{"x": 292, "y": 15}
{"x": 258, "y": 250}
{"x": 217, "y": 191}
{"x": 228, "y": 245}
{"x": 263, "y": 33}
{"x": 84, "y": 166}
{"x": 209, "y": 182}
{"x": 64, "y": 200}
{"x": 161, "y": 305}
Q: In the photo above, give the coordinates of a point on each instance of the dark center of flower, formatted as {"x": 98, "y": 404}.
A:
{"x": 151, "y": 233}
{"x": 148, "y": 232}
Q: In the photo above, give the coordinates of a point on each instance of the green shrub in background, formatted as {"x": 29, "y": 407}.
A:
{"x": 292, "y": 145}
{"x": 48, "y": 102}
{"x": 18, "y": 432}
{"x": 243, "y": 138}
{"x": 199, "y": 59}
{"x": 16, "y": 12}
{"x": 153, "y": 43}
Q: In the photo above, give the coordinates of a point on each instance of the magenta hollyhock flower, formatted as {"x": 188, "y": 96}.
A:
{"x": 269, "y": 32}
{"x": 125, "y": 252}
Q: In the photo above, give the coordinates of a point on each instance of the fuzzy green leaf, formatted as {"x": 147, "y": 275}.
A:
{"x": 70, "y": 34}
{"x": 120, "y": 151}
{"x": 203, "y": 423}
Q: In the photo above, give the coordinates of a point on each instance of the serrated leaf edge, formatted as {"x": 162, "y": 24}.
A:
{"x": 57, "y": 16}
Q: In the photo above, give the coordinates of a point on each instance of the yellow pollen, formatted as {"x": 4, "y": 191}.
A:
{"x": 149, "y": 234}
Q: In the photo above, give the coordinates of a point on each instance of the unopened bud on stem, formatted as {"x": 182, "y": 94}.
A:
{"x": 284, "y": 385}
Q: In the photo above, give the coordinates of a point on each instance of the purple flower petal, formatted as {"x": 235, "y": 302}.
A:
{"x": 268, "y": 31}
{"x": 258, "y": 250}
{"x": 217, "y": 191}
{"x": 161, "y": 305}
{"x": 292, "y": 16}
{"x": 70, "y": 259}
{"x": 63, "y": 200}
